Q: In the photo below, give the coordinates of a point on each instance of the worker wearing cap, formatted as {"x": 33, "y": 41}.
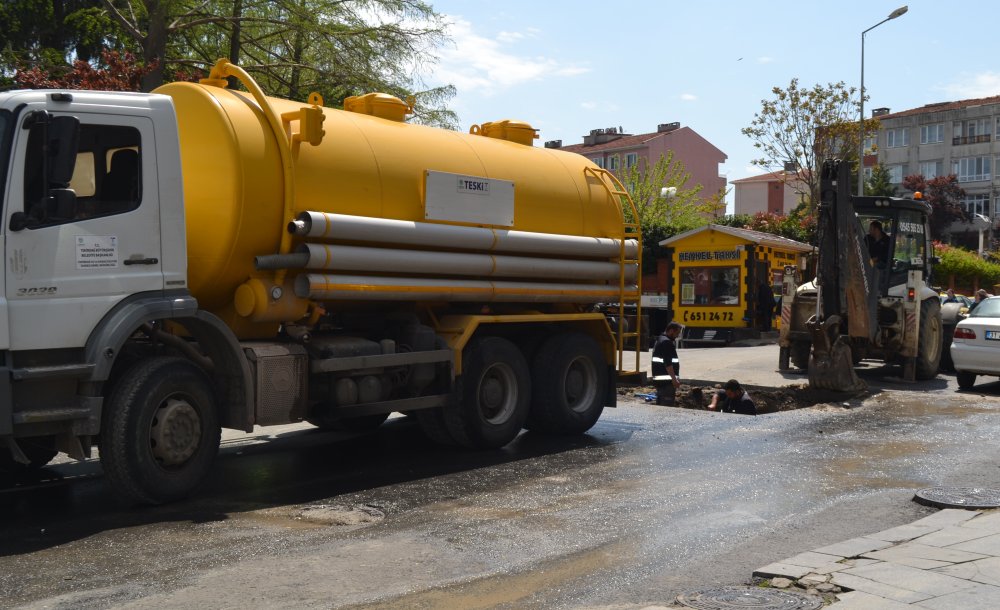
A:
{"x": 666, "y": 365}
{"x": 733, "y": 399}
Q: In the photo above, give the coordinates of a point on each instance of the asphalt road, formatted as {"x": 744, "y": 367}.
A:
{"x": 652, "y": 502}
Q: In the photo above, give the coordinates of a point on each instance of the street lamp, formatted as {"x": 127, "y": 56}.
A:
{"x": 861, "y": 134}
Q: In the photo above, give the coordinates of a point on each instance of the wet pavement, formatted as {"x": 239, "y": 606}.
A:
{"x": 651, "y": 503}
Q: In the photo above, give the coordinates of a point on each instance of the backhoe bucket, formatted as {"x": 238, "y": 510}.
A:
{"x": 831, "y": 366}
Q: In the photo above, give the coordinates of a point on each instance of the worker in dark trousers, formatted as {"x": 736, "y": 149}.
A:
{"x": 765, "y": 306}
{"x": 666, "y": 365}
{"x": 732, "y": 398}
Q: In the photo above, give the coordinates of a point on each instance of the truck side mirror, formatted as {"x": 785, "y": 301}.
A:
{"x": 62, "y": 145}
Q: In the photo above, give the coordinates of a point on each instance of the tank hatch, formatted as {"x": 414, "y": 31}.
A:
{"x": 507, "y": 129}
{"x": 382, "y": 105}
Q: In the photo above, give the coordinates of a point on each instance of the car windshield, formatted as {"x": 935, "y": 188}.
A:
{"x": 990, "y": 308}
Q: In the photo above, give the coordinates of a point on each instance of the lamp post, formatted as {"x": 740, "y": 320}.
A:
{"x": 861, "y": 134}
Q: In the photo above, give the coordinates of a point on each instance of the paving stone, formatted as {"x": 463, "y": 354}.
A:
{"x": 812, "y": 559}
{"x": 880, "y": 589}
{"x": 826, "y": 587}
{"x": 830, "y": 568}
{"x": 952, "y": 535}
{"x": 782, "y": 569}
{"x": 921, "y": 564}
{"x": 854, "y": 547}
{"x": 904, "y": 533}
{"x": 987, "y": 545}
{"x": 911, "y": 579}
{"x": 780, "y": 583}
{"x": 859, "y": 600}
{"x": 986, "y": 571}
{"x": 857, "y": 562}
{"x": 976, "y": 597}
{"x": 986, "y": 521}
{"x": 814, "y": 579}
{"x": 947, "y": 517}
{"x": 922, "y": 551}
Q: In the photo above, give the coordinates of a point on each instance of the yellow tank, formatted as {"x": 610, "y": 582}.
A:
{"x": 364, "y": 166}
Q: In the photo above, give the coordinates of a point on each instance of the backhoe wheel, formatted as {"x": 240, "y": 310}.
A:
{"x": 569, "y": 381}
{"x": 494, "y": 394}
{"x": 965, "y": 380}
{"x": 160, "y": 431}
{"x": 798, "y": 351}
{"x": 931, "y": 339}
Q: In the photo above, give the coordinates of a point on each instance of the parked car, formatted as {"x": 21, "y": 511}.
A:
{"x": 951, "y": 314}
{"x": 975, "y": 347}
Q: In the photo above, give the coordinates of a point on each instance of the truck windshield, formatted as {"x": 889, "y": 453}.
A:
{"x": 910, "y": 239}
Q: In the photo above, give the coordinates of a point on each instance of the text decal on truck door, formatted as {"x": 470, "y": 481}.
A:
{"x": 96, "y": 251}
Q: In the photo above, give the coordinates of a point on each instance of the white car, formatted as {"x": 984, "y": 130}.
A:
{"x": 975, "y": 347}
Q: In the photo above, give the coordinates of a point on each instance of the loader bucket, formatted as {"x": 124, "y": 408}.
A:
{"x": 831, "y": 366}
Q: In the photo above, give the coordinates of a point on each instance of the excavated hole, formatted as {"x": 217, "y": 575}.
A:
{"x": 768, "y": 399}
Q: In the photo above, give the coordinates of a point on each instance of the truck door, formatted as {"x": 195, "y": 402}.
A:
{"x": 66, "y": 268}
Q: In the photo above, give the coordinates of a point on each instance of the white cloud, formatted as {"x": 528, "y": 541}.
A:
{"x": 477, "y": 63}
{"x": 689, "y": 97}
{"x": 765, "y": 60}
{"x": 984, "y": 84}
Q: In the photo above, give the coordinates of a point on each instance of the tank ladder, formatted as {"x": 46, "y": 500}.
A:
{"x": 630, "y": 230}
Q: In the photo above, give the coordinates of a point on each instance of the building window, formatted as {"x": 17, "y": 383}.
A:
{"x": 897, "y": 138}
{"x": 932, "y": 134}
{"x": 896, "y": 173}
{"x": 613, "y": 162}
{"x": 977, "y": 204}
{"x": 710, "y": 286}
{"x": 598, "y": 161}
{"x": 868, "y": 172}
{"x": 970, "y": 169}
{"x": 631, "y": 159}
{"x": 971, "y": 131}
{"x": 869, "y": 144}
{"x": 931, "y": 169}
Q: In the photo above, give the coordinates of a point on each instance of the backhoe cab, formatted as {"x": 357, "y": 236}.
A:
{"x": 870, "y": 298}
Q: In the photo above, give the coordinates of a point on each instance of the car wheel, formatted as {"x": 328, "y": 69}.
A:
{"x": 966, "y": 380}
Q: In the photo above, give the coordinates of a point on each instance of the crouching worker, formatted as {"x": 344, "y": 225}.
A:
{"x": 666, "y": 365}
{"x": 733, "y": 399}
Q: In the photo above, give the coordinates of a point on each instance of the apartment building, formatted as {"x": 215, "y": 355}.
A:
{"x": 615, "y": 150}
{"x": 958, "y": 138}
{"x": 775, "y": 192}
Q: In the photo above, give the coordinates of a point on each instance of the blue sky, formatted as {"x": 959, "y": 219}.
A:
{"x": 569, "y": 67}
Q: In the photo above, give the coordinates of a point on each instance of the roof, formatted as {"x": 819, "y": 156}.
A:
{"x": 634, "y": 141}
{"x": 942, "y": 107}
{"x": 757, "y": 237}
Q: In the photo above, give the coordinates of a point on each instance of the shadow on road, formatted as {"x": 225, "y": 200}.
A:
{"x": 72, "y": 501}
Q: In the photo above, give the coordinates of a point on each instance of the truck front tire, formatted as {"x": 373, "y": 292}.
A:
{"x": 569, "y": 383}
{"x": 160, "y": 431}
{"x": 494, "y": 396}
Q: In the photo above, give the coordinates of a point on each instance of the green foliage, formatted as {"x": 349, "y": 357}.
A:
{"x": 880, "y": 183}
{"x": 806, "y": 126}
{"x": 797, "y": 226}
{"x": 662, "y": 217}
{"x": 966, "y": 266}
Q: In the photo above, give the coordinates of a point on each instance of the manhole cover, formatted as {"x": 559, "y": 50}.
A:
{"x": 725, "y": 598}
{"x": 959, "y": 497}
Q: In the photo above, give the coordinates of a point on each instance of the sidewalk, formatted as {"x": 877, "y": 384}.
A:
{"x": 948, "y": 560}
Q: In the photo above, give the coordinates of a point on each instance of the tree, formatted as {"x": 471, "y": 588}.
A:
{"x": 795, "y": 225}
{"x": 663, "y": 216}
{"x": 880, "y": 182}
{"x": 292, "y": 47}
{"x": 945, "y": 196}
{"x": 114, "y": 72}
{"x": 806, "y": 126}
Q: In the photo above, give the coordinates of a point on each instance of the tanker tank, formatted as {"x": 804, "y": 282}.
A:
{"x": 276, "y": 221}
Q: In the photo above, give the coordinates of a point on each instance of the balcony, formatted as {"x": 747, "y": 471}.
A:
{"x": 971, "y": 139}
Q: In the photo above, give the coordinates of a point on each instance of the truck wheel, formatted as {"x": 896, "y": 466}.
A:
{"x": 39, "y": 451}
{"x": 930, "y": 340}
{"x": 160, "y": 431}
{"x": 799, "y": 353}
{"x": 569, "y": 382}
{"x": 432, "y": 424}
{"x": 493, "y": 397}
{"x": 966, "y": 380}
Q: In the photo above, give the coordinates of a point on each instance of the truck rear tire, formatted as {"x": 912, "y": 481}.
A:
{"x": 494, "y": 395}
{"x": 930, "y": 340}
{"x": 798, "y": 351}
{"x": 569, "y": 382}
{"x": 160, "y": 431}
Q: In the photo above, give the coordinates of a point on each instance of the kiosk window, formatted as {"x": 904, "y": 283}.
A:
{"x": 711, "y": 286}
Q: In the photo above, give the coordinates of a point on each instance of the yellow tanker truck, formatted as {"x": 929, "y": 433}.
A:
{"x": 202, "y": 257}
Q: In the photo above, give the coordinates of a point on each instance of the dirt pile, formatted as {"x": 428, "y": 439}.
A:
{"x": 767, "y": 399}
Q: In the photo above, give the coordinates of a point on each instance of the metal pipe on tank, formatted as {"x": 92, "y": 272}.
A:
{"x": 371, "y": 288}
{"x": 270, "y": 262}
{"x": 388, "y": 260}
{"x": 345, "y": 227}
